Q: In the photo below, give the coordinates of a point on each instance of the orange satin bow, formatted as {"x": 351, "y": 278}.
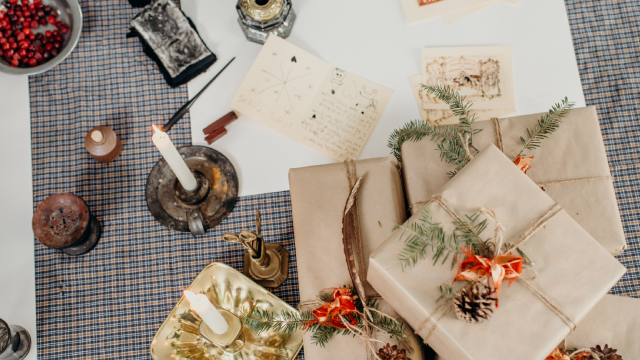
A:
{"x": 502, "y": 267}
{"x": 342, "y": 303}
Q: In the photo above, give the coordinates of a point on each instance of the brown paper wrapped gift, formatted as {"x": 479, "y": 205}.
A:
{"x": 573, "y": 271}
{"x": 571, "y": 166}
{"x": 318, "y": 196}
{"x": 614, "y": 321}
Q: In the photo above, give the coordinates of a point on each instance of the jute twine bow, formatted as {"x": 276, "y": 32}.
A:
{"x": 500, "y": 145}
{"x": 355, "y": 263}
{"x": 447, "y": 306}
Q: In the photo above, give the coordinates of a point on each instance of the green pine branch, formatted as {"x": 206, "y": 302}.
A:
{"x": 416, "y": 130}
{"x": 288, "y": 322}
{"x": 469, "y": 231}
{"x": 421, "y": 235}
{"x": 547, "y": 124}
{"x": 446, "y": 292}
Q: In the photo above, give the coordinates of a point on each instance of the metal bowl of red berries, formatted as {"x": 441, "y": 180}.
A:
{"x": 36, "y": 35}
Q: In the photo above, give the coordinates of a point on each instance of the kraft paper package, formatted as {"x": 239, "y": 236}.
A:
{"x": 318, "y": 197}
{"x": 571, "y": 165}
{"x": 614, "y": 321}
{"x": 534, "y": 314}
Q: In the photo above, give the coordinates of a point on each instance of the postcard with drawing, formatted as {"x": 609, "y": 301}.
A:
{"x": 483, "y": 74}
{"x": 310, "y": 101}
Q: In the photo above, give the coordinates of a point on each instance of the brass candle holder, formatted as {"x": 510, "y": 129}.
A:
{"x": 267, "y": 264}
{"x": 199, "y": 210}
{"x": 183, "y": 335}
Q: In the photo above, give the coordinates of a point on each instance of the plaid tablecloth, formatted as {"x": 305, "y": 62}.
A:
{"x": 109, "y": 303}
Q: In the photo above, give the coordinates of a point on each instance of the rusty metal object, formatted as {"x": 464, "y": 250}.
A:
{"x": 267, "y": 264}
{"x": 64, "y": 221}
{"x": 202, "y": 209}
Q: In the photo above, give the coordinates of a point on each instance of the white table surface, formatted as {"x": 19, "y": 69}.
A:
{"x": 369, "y": 39}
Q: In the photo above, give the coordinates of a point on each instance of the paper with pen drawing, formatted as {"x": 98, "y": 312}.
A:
{"x": 310, "y": 101}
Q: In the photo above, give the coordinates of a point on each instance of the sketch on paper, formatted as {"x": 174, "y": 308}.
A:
{"x": 474, "y": 77}
{"x": 371, "y": 96}
{"x": 337, "y": 75}
{"x": 279, "y": 83}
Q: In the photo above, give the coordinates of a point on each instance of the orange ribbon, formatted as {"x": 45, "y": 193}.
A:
{"x": 342, "y": 304}
{"x": 501, "y": 268}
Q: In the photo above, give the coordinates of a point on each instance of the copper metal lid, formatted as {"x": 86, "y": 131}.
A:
{"x": 265, "y": 12}
{"x": 60, "y": 220}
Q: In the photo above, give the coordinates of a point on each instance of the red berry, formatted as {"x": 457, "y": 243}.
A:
{"x": 54, "y": 52}
{"x": 27, "y": 13}
{"x": 56, "y": 45}
{"x": 22, "y": 52}
{"x": 43, "y": 21}
{"x": 6, "y": 46}
{"x": 54, "y": 13}
{"x": 26, "y": 31}
{"x": 32, "y": 36}
{"x": 37, "y": 56}
{"x": 24, "y": 44}
{"x": 55, "y": 32}
{"x": 48, "y": 47}
{"x": 51, "y": 19}
{"x": 13, "y": 2}
{"x": 11, "y": 39}
{"x": 2, "y": 14}
{"x": 34, "y": 24}
{"x": 33, "y": 62}
{"x": 58, "y": 38}
{"x": 48, "y": 33}
{"x": 8, "y": 53}
{"x": 58, "y": 24}
{"x": 14, "y": 45}
{"x": 20, "y": 36}
{"x": 64, "y": 29}
{"x": 15, "y": 63}
{"x": 46, "y": 55}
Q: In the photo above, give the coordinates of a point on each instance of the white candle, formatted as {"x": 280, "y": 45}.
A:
{"x": 207, "y": 312}
{"x": 174, "y": 159}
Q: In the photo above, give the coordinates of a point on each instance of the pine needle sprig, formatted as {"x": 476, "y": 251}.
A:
{"x": 422, "y": 235}
{"x": 547, "y": 124}
{"x": 457, "y": 104}
{"x": 416, "y": 130}
{"x": 286, "y": 321}
{"x": 446, "y": 292}
{"x": 469, "y": 233}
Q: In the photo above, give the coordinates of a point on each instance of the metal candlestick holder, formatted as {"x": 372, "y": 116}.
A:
{"x": 267, "y": 264}
{"x": 64, "y": 222}
{"x": 200, "y": 210}
{"x": 15, "y": 342}
{"x": 231, "y": 341}
{"x": 260, "y": 18}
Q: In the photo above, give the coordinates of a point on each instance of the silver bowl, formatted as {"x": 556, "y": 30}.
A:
{"x": 69, "y": 13}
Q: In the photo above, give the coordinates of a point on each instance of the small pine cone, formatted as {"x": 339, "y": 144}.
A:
{"x": 389, "y": 352}
{"x": 604, "y": 354}
{"x": 475, "y": 304}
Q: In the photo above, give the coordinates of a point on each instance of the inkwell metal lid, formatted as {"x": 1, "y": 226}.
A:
{"x": 262, "y": 10}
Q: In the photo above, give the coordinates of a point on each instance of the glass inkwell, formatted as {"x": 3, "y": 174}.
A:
{"x": 260, "y": 18}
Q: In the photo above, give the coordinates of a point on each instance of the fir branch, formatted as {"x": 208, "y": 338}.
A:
{"x": 547, "y": 124}
{"x": 457, "y": 104}
{"x": 446, "y": 292}
{"x": 416, "y": 130}
{"x": 286, "y": 322}
{"x": 422, "y": 235}
{"x": 469, "y": 232}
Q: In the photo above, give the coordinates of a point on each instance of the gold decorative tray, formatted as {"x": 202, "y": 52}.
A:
{"x": 179, "y": 338}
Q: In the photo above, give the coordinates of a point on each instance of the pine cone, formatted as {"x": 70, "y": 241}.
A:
{"x": 389, "y": 352}
{"x": 604, "y": 354}
{"x": 475, "y": 304}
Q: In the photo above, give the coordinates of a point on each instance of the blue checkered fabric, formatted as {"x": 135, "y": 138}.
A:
{"x": 605, "y": 37}
{"x": 109, "y": 303}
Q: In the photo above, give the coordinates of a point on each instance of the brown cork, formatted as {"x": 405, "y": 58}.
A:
{"x": 103, "y": 144}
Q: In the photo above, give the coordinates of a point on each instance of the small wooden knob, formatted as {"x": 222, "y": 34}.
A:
{"x": 103, "y": 144}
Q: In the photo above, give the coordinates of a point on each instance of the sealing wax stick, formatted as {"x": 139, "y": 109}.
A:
{"x": 217, "y": 134}
{"x": 220, "y": 123}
